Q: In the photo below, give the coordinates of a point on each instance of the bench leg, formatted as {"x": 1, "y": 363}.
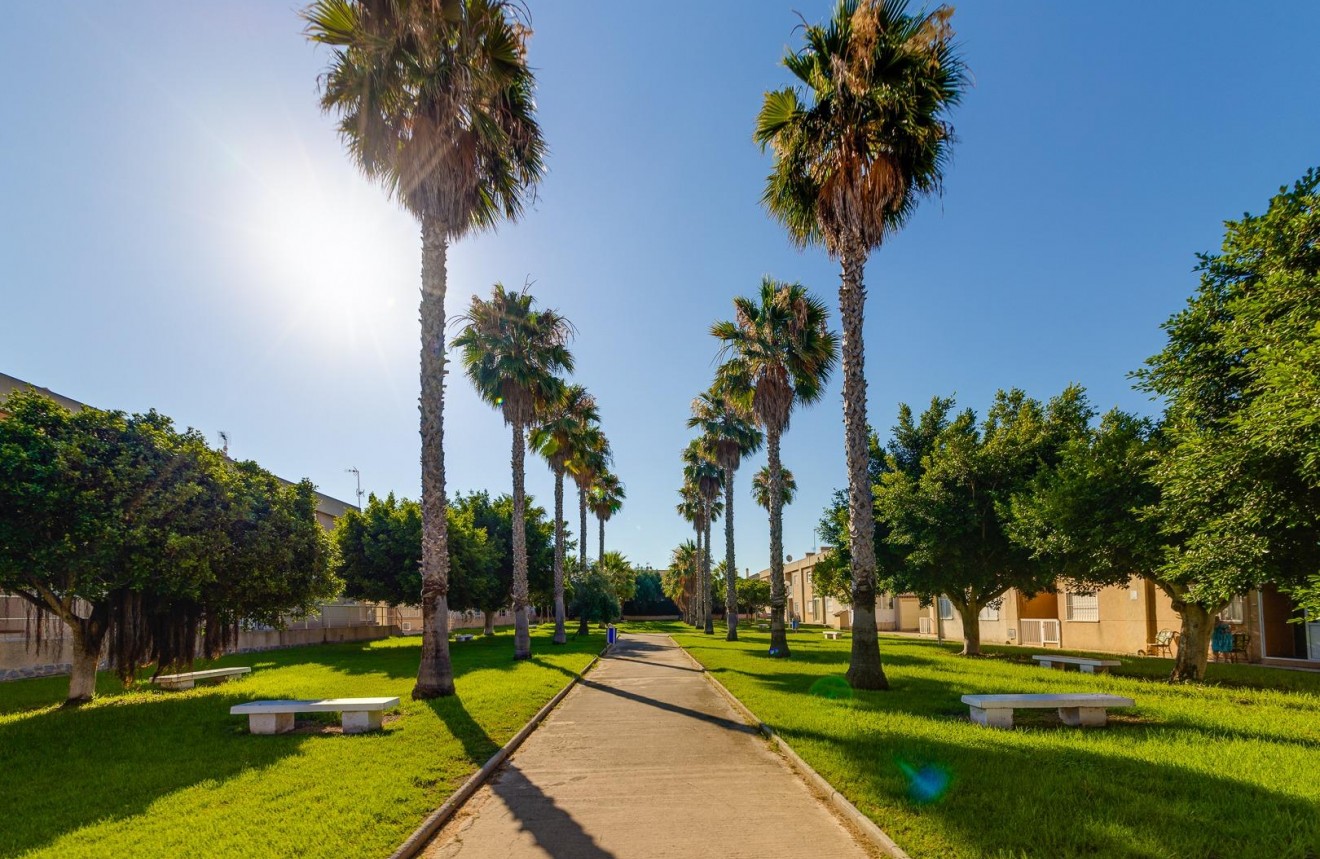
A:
{"x": 361, "y": 721}
{"x": 270, "y": 723}
{"x": 1045, "y": 663}
{"x": 1085, "y": 717}
{"x": 1088, "y": 669}
{"x": 177, "y": 687}
{"x": 999, "y": 717}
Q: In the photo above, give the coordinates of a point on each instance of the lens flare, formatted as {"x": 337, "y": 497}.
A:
{"x": 926, "y": 784}
{"x": 832, "y": 687}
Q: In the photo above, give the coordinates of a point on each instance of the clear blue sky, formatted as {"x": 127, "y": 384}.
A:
{"x": 181, "y": 230}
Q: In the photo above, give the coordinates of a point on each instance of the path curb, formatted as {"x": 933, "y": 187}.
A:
{"x": 438, "y": 818}
{"x": 846, "y": 809}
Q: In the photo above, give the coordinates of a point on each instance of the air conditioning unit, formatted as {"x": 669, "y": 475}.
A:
{"x": 923, "y": 625}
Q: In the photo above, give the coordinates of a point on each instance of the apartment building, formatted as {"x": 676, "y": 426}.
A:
{"x": 1121, "y": 619}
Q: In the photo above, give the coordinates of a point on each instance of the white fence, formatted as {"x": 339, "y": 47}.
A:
{"x": 1039, "y": 631}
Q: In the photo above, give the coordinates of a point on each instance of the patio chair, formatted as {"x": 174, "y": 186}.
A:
{"x": 1162, "y": 645}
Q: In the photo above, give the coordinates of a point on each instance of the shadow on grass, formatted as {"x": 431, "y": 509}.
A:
{"x": 80, "y": 766}
{"x": 1009, "y": 798}
{"x": 537, "y": 813}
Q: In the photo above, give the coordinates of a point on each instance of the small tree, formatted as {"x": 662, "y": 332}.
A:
{"x": 594, "y": 599}
{"x": 753, "y": 595}
{"x": 623, "y": 580}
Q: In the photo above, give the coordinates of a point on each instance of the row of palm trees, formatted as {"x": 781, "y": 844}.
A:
{"x": 436, "y": 102}
{"x": 857, "y": 142}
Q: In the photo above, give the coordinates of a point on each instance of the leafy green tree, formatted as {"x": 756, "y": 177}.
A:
{"x": 862, "y": 138}
{"x": 140, "y": 538}
{"x": 554, "y": 438}
{"x": 649, "y": 596}
{"x": 780, "y": 354}
{"x": 607, "y": 497}
{"x": 954, "y": 518}
{"x": 491, "y": 586}
{"x": 436, "y": 102}
{"x": 753, "y": 595}
{"x": 593, "y": 599}
{"x": 1239, "y": 478}
{"x": 726, "y": 419}
{"x": 513, "y": 354}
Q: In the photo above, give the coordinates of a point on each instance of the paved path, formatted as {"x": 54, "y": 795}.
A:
{"x": 644, "y": 758}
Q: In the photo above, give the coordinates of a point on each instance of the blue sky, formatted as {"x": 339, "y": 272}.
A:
{"x": 181, "y": 230}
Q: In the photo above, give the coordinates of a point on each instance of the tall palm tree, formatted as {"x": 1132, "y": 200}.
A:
{"x": 590, "y": 458}
{"x": 513, "y": 354}
{"x": 692, "y": 507}
{"x": 852, "y": 158}
{"x": 607, "y": 497}
{"x": 678, "y": 581}
{"x": 702, "y": 471}
{"x": 722, "y": 417}
{"x": 780, "y": 354}
{"x": 553, "y": 438}
{"x": 761, "y": 487}
{"x": 435, "y": 102}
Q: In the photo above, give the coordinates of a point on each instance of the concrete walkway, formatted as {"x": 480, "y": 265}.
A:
{"x": 644, "y": 758}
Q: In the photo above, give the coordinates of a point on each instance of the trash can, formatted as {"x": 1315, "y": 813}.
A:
{"x": 611, "y": 634}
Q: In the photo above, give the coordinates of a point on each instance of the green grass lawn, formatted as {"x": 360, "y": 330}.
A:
{"x": 151, "y": 773}
{"x": 1226, "y": 769}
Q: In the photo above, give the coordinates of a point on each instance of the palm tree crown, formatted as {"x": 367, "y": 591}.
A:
{"x": 780, "y": 350}
{"x": 436, "y": 102}
{"x": 761, "y": 487}
{"x": 513, "y": 353}
{"x": 870, "y": 137}
{"x": 606, "y": 496}
{"x": 722, "y": 417}
{"x": 562, "y": 421}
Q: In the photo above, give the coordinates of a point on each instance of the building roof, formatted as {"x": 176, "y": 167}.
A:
{"x": 326, "y": 504}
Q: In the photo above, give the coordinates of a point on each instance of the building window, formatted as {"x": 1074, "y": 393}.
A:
{"x": 946, "y": 609}
{"x": 990, "y": 612}
{"x": 1083, "y": 607}
{"x": 1235, "y": 611}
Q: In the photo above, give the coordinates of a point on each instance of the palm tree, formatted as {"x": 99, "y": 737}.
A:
{"x": 723, "y": 418}
{"x": 702, "y": 471}
{"x": 553, "y": 438}
{"x": 851, "y": 161}
{"x": 761, "y": 487}
{"x": 590, "y": 458}
{"x": 692, "y": 507}
{"x": 436, "y": 103}
{"x": 780, "y": 354}
{"x": 607, "y": 496}
{"x": 679, "y": 580}
{"x": 513, "y": 354}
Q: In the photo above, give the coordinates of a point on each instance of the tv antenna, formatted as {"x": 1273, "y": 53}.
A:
{"x": 353, "y": 471}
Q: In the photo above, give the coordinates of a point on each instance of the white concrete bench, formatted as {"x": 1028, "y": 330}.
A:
{"x": 1084, "y": 664}
{"x": 177, "y": 682}
{"x": 1085, "y": 709}
{"x": 276, "y": 717}
{"x": 831, "y": 634}
{"x": 463, "y": 637}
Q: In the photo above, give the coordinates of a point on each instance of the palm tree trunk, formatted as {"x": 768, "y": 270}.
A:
{"x": 522, "y": 638}
{"x": 695, "y": 615}
{"x": 778, "y": 637}
{"x": 708, "y": 618}
{"x": 864, "y": 668}
{"x": 600, "y": 556}
{"x": 582, "y": 532}
{"x": 561, "y": 636}
{"x": 730, "y": 569}
{"x": 435, "y": 676}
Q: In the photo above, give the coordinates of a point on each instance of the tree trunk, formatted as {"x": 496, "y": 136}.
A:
{"x": 88, "y": 640}
{"x": 490, "y": 623}
{"x": 583, "y": 628}
{"x": 435, "y": 676}
{"x": 582, "y": 533}
{"x": 694, "y": 614}
{"x": 561, "y": 636}
{"x": 600, "y": 555}
{"x": 778, "y": 637}
{"x": 708, "y": 619}
{"x": 522, "y": 638}
{"x": 864, "y": 668}
{"x": 730, "y": 569}
{"x": 1193, "y": 641}
{"x": 970, "y": 613}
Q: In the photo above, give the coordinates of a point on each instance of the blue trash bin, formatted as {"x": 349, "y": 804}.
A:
{"x": 611, "y": 634}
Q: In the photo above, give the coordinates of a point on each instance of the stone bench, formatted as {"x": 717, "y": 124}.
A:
{"x": 831, "y": 634}
{"x": 178, "y": 682}
{"x": 463, "y": 637}
{"x": 276, "y": 717}
{"x": 1084, "y": 709}
{"x": 1084, "y": 664}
